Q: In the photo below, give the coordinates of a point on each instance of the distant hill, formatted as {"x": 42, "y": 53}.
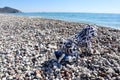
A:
{"x": 9, "y": 10}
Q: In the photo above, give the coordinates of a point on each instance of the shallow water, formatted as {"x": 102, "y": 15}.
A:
{"x": 102, "y": 19}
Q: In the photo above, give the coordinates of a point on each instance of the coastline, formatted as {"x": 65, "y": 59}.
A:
{"x": 101, "y": 19}
{"x": 27, "y": 45}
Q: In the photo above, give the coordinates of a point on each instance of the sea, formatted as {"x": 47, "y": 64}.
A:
{"x": 101, "y": 19}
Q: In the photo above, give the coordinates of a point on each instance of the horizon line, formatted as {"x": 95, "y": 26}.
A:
{"x": 68, "y": 12}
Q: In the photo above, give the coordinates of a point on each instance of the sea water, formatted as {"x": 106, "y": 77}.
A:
{"x": 102, "y": 19}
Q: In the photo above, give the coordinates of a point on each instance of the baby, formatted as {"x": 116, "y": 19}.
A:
{"x": 69, "y": 49}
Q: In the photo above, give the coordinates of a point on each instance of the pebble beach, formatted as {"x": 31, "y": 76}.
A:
{"x": 27, "y": 45}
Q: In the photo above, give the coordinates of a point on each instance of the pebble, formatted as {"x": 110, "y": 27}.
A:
{"x": 38, "y": 76}
{"x": 4, "y": 78}
{"x": 110, "y": 70}
{"x": 118, "y": 48}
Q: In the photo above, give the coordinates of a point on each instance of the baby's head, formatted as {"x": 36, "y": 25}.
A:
{"x": 92, "y": 30}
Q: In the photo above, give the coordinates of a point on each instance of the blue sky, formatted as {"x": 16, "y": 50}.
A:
{"x": 95, "y": 6}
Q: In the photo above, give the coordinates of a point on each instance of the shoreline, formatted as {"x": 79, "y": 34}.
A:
{"x": 72, "y": 21}
{"x": 27, "y": 46}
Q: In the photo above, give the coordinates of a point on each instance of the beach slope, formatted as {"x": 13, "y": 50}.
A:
{"x": 27, "y": 45}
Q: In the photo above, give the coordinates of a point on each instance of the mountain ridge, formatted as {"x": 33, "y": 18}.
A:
{"x": 9, "y": 10}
